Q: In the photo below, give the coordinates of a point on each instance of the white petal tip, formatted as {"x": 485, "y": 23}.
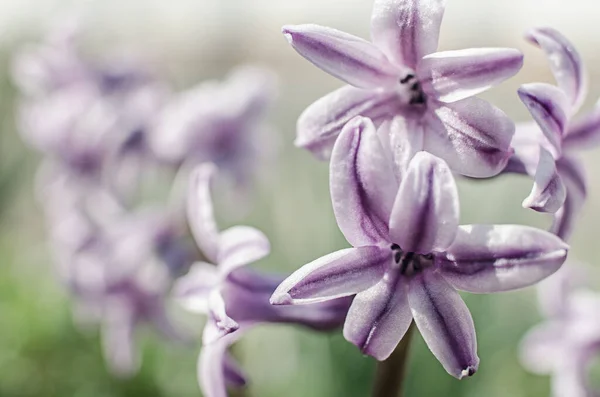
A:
{"x": 469, "y": 371}
{"x": 281, "y": 299}
{"x": 287, "y": 32}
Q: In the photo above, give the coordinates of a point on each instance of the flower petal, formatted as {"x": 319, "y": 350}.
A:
{"x": 548, "y": 193}
{"x": 341, "y": 273}
{"x": 403, "y": 138}
{"x": 407, "y": 30}
{"x": 526, "y": 144}
{"x": 450, "y": 76}
{"x": 118, "y": 343}
{"x": 425, "y": 214}
{"x": 193, "y": 290}
{"x": 540, "y": 349}
{"x": 471, "y": 135}
{"x": 445, "y": 323}
{"x": 213, "y": 370}
{"x": 379, "y": 317}
{"x": 548, "y": 106}
{"x": 495, "y": 258}
{"x": 572, "y": 174}
{"x": 200, "y": 211}
{"x": 362, "y": 184}
{"x": 321, "y": 123}
{"x": 219, "y": 323}
{"x": 584, "y": 133}
{"x": 241, "y": 245}
{"x": 565, "y": 62}
{"x": 347, "y": 57}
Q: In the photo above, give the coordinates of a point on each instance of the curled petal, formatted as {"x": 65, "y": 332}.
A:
{"x": 471, "y": 135}
{"x": 362, "y": 184}
{"x": 342, "y": 273}
{"x": 192, "y": 291}
{"x": 565, "y": 62}
{"x": 200, "y": 211}
{"x": 379, "y": 317}
{"x": 450, "y": 76}
{"x": 572, "y": 174}
{"x": 445, "y": 323}
{"x": 526, "y": 144}
{"x": 347, "y": 57}
{"x": 585, "y": 132}
{"x": 215, "y": 369}
{"x": 241, "y": 245}
{"x": 407, "y": 30}
{"x": 219, "y": 323}
{"x": 548, "y": 193}
{"x": 321, "y": 123}
{"x": 495, "y": 258}
{"x": 425, "y": 214}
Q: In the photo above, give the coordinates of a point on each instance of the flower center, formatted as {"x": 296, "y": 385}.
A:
{"x": 410, "y": 263}
{"x": 412, "y": 87}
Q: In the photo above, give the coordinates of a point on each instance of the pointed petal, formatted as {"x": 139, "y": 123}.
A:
{"x": 193, "y": 290}
{"x": 549, "y": 108}
{"x": 584, "y": 133}
{"x": 471, "y": 135}
{"x": 341, "y": 273}
{"x": 450, "y": 76}
{"x": 407, "y": 30}
{"x": 444, "y": 322}
{"x": 241, "y": 245}
{"x": 213, "y": 373}
{"x": 425, "y": 214}
{"x": 347, "y": 57}
{"x": 200, "y": 211}
{"x": 495, "y": 258}
{"x": 219, "y": 324}
{"x": 362, "y": 184}
{"x": 572, "y": 174}
{"x": 379, "y": 317}
{"x": 403, "y": 138}
{"x": 321, "y": 123}
{"x": 548, "y": 193}
{"x": 565, "y": 62}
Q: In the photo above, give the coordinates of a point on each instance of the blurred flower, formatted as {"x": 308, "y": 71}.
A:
{"x": 401, "y": 75}
{"x": 545, "y": 150}
{"x": 410, "y": 255}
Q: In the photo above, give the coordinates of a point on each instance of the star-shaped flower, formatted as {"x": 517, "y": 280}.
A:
{"x": 400, "y": 74}
{"x": 410, "y": 255}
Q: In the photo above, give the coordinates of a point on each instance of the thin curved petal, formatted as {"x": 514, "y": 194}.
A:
{"x": 347, "y": 57}
{"x": 495, "y": 258}
{"x": 426, "y": 210}
{"x": 341, "y": 273}
{"x": 321, "y": 123}
{"x": 450, "y": 76}
{"x": 241, "y": 245}
{"x": 471, "y": 135}
{"x": 407, "y": 30}
{"x": 526, "y": 144}
{"x": 548, "y": 193}
{"x": 200, "y": 211}
{"x": 379, "y": 317}
{"x": 219, "y": 324}
{"x": 584, "y": 133}
{"x": 362, "y": 184}
{"x": 565, "y": 62}
{"x": 549, "y": 107}
{"x": 213, "y": 372}
{"x": 572, "y": 174}
{"x": 445, "y": 323}
{"x": 193, "y": 290}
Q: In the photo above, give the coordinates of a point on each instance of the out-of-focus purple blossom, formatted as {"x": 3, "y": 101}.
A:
{"x": 410, "y": 255}
{"x": 399, "y": 75}
{"x": 567, "y": 342}
{"x": 546, "y": 150}
{"x": 232, "y": 296}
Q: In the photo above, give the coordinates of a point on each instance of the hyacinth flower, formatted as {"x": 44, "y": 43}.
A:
{"x": 546, "y": 150}
{"x": 410, "y": 255}
{"x": 567, "y": 342}
{"x": 399, "y": 74}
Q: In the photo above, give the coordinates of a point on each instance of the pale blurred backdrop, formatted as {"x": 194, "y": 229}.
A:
{"x": 42, "y": 354}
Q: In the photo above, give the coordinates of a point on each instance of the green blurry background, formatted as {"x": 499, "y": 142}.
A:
{"x": 42, "y": 354}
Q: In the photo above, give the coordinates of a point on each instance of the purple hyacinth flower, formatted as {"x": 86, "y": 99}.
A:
{"x": 546, "y": 150}
{"x": 400, "y": 74}
{"x": 410, "y": 255}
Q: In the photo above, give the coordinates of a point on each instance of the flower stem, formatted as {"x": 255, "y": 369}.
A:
{"x": 389, "y": 376}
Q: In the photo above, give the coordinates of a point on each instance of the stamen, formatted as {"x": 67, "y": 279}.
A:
{"x": 407, "y": 78}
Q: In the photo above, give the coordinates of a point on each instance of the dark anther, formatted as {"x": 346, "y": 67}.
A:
{"x": 418, "y": 99}
{"x": 428, "y": 257}
{"x": 416, "y": 86}
{"x": 407, "y": 78}
{"x": 395, "y": 247}
{"x": 397, "y": 256}
{"x": 408, "y": 258}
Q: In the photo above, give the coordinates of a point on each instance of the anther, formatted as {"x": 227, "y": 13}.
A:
{"x": 407, "y": 78}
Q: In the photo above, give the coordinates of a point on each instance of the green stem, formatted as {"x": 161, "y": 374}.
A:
{"x": 389, "y": 376}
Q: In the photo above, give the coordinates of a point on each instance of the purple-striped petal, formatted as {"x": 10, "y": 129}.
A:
{"x": 193, "y": 290}
{"x": 548, "y": 193}
{"x": 565, "y": 62}
{"x": 450, "y": 76}
{"x": 444, "y": 322}
{"x": 321, "y": 123}
{"x": 402, "y": 137}
{"x": 241, "y": 245}
{"x": 549, "y": 107}
{"x": 379, "y": 317}
{"x": 347, "y": 57}
{"x": 362, "y": 184}
{"x": 471, "y": 135}
{"x": 572, "y": 174}
{"x": 213, "y": 371}
{"x": 200, "y": 211}
{"x": 407, "y": 30}
{"x": 341, "y": 273}
{"x": 494, "y": 258}
{"x": 584, "y": 133}
{"x": 425, "y": 214}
